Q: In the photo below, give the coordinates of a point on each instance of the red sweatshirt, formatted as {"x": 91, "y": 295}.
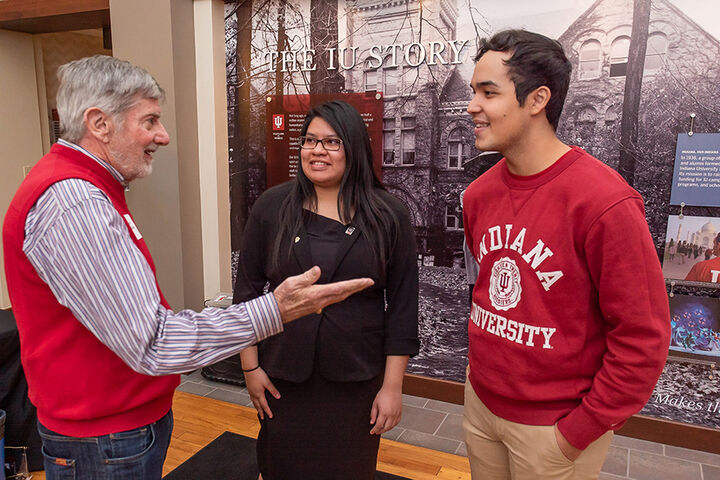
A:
{"x": 570, "y": 320}
{"x": 705, "y": 271}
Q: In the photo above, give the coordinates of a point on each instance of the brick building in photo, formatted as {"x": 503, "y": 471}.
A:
{"x": 429, "y": 155}
{"x": 680, "y": 77}
{"x": 428, "y": 140}
{"x": 428, "y": 145}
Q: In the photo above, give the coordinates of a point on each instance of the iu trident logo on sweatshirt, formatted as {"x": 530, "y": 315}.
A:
{"x": 505, "y": 288}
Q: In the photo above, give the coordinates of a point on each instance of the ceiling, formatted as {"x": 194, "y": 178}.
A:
{"x": 45, "y": 16}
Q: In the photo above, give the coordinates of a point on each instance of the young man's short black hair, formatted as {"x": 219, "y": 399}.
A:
{"x": 536, "y": 61}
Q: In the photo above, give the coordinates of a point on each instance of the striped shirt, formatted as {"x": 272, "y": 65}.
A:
{"x": 80, "y": 246}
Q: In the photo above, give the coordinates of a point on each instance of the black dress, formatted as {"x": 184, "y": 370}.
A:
{"x": 320, "y": 429}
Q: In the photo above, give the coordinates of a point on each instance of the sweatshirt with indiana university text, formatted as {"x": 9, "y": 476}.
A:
{"x": 570, "y": 319}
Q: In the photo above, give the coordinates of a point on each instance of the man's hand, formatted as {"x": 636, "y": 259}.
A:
{"x": 297, "y": 296}
{"x": 570, "y": 452}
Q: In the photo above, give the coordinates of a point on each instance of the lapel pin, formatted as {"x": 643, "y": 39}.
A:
{"x": 297, "y": 239}
{"x": 349, "y": 230}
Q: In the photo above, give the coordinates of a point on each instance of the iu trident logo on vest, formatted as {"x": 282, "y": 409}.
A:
{"x": 505, "y": 286}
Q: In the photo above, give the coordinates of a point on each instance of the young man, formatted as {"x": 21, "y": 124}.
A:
{"x": 100, "y": 346}
{"x": 569, "y": 327}
{"x": 707, "y": 270}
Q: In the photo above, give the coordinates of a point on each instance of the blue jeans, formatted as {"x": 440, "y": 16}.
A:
{"x": 136, "y": 454}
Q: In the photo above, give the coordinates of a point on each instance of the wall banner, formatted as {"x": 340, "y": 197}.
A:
{"x": 409, "y": 65}
{"x": 696, "y": 176}
{"x": 285, "y": 115}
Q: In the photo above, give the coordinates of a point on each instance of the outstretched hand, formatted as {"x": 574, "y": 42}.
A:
{"x": 298, "y": 296}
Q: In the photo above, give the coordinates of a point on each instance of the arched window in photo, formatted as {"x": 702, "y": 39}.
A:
{"x": 457, "y": 151}
{"x": 371, "y": 78}
{"x": 655, "y": 54}
{"x": 590, "y": 56}
{"x": 409, "y": 78}
{"x": 390, "y": 81}
{"x": 407, "y": 141}
{"x": 453, "y": 219}
{"x": 389, "y": 141}
{"x": 449, "y": 25}
{"x": 619, "y": 56}
{"x": 611, "y": 115}
{"x": 587, "y": 115}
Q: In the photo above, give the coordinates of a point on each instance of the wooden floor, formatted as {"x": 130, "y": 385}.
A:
{"x": 199, "y": 420}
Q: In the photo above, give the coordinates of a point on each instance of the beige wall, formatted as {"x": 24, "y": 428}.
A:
{"x": 144, "y": 33}
{"x": 182, "y": 208}
{"x": 20, "y": 132}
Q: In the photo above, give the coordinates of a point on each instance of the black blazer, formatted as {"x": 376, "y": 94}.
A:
{"x": 350, "y": 339}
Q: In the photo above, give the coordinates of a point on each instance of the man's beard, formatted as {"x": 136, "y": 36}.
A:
{"x": 131, "y": 170}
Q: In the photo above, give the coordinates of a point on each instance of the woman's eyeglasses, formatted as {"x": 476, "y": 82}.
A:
{"x": 328, "y": 143}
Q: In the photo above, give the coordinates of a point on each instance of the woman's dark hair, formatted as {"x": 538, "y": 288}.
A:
{"x": 536, "y": 61}
{"x": 359, "y": 198}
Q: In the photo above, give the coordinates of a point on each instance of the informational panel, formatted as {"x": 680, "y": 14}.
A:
{"x": 688, "y": 389}
{"x": 286, "y": 116}
{"x": 696, "y": 176}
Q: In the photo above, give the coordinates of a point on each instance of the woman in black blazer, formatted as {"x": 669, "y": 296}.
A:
{"x": 327, "y": 387}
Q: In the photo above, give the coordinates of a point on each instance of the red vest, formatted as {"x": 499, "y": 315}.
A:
{"x": 79, "y": 386}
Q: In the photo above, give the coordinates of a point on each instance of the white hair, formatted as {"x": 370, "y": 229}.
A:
{"x": 107, "y": 83}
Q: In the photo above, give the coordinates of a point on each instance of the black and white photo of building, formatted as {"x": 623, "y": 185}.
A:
{"x": 422, "y": 66}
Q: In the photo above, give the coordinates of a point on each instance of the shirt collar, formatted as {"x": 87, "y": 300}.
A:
{"x": 117, "y": 175}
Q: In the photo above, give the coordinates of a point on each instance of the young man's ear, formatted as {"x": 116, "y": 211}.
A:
{"x": 98, "y": 124}
{"x": 538, "y": 99}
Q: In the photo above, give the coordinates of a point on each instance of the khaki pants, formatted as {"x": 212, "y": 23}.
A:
{"x": 501, "y": 450}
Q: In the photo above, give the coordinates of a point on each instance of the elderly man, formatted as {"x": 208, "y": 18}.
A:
{"x": 101, "y": 347}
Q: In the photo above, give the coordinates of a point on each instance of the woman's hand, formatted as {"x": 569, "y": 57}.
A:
{"x": 257, "y": 382}
{"x": 386, "y": 410}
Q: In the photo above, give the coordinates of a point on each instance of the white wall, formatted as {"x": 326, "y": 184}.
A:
{"x": 213, "y": 144}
